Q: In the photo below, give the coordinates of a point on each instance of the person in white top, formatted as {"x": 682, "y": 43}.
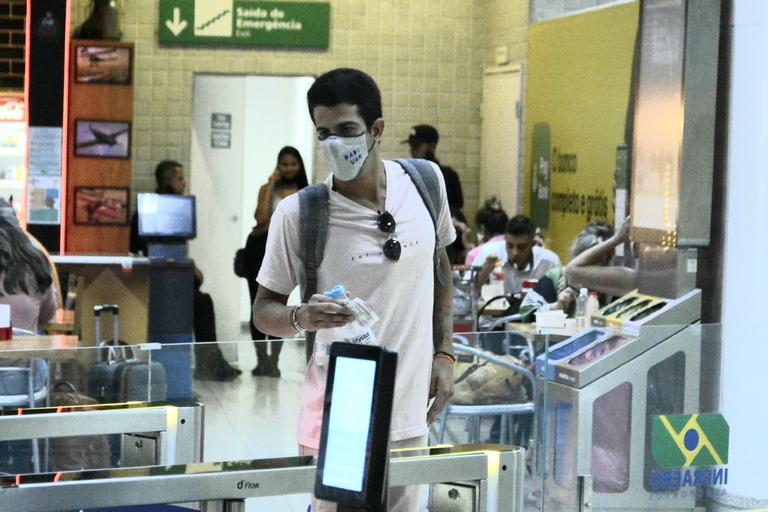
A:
{"x": 491, "y": 220}
{"x": 364, "y": 190}
{"x": 525, "y": 260}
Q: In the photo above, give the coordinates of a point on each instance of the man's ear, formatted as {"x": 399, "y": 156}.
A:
{"x": 378, "y": 129}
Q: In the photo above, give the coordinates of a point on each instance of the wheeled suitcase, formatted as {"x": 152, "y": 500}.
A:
{"x": 118, "y": 376}
{"x": 101, "y": 379}
{"x": 140, "y": 381}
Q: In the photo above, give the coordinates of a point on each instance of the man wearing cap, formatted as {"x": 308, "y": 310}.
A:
{"x": 422, "y": 140}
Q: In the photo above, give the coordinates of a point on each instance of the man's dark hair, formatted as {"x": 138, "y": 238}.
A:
{"x": 492, "y": 216}
{"x": 164, "y": 172}
{"x": 520, "y": 225}
{"x": 345, "y": 85}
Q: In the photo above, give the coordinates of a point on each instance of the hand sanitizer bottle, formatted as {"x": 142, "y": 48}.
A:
{"x": 581, "y": 308}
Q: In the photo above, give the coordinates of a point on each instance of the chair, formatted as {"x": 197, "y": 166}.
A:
{"x": 474, "y": 413}
{"x": 24, "y": 386}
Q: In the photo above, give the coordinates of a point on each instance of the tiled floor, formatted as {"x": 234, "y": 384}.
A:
{"x": 256, "y": 417}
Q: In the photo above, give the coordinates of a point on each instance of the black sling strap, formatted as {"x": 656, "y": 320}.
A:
{"x": 313, "y": 229}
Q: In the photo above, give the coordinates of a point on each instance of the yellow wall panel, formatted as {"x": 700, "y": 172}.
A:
{"x": 577, "y": 92}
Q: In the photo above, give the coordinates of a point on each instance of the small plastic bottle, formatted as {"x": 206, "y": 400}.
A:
{"x": 581, "y": 308}
{"x": 593, "y": 306}
{"x": 353, "y": 332}
{"x": 495, "y": 287}
{"x": 497, "y": 276}
{"x": 6, "y": 331}
{"x": 528, "y": 285}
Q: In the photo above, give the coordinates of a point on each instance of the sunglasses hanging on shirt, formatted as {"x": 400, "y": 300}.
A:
{"x": 386, "y": 223}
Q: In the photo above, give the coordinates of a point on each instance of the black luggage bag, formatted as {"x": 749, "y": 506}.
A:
{"x": 119, "y": 376}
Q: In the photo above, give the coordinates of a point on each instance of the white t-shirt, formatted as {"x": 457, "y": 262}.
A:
{"x": 543, "y": 261}
{"x": 401, "y": 292}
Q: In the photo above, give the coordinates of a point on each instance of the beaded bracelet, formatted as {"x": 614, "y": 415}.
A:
{"x": 295, "y": 320}
{"x": 444, "y": 355}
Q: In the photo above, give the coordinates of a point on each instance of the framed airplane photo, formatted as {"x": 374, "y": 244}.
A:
{"x": 101, "y": 205}
{"x": 96, "y": 64}
{"x": 102, "y": 139}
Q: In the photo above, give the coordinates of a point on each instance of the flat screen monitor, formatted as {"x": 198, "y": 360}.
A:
{"x": 354, "y": 441}
{"x": 167, "y": 216}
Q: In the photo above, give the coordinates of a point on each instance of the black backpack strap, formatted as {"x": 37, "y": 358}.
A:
{"x": 427, "y": 184}
{"x": 313, "y": 228}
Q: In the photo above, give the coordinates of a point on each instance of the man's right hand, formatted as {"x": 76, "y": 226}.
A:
{"x": 485, "y": 272}
{"x": 490, "y": 263}
{"x": 323, "y": 313}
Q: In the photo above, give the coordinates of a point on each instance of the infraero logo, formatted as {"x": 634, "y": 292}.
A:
{"x": 689, "y": 441}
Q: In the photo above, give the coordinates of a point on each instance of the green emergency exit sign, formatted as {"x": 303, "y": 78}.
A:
{"x": 244, "y": 23}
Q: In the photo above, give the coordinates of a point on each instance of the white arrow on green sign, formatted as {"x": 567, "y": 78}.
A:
{"x": 177, "y": 25}
{"x": 245, "y": 23}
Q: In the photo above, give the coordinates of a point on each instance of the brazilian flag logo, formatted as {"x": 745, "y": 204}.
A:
{"x": 694, "y": 440}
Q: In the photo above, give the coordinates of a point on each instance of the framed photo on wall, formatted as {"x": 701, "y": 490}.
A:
{"x": 102, "y": 64}
{"x": 102, "y": 139}
{"x": 103, "y": 206}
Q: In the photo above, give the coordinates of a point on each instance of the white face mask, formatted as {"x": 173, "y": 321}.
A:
{"x": 345, "y": 155}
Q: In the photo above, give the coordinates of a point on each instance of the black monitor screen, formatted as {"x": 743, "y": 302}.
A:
{"x": 354, "y": 440}
{"x": 166, "y": 216}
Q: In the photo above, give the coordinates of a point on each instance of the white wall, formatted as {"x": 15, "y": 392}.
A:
{"x": 745, "y": 350}
{"x": 276, "y": 116}
{"x": 216, "y": 179}
{"x": 268, "y": 112}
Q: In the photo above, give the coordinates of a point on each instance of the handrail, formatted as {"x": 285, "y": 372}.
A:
{"x": 180, "y": 425}
{"x": 498, "y": 469}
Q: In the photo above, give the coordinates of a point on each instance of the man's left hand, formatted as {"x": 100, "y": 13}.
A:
{"x": 440, "y": 387}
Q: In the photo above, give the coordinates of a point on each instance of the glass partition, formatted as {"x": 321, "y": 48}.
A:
{"x": 631, "y": 421}
{"x": 158, "y": 372}
{"x": 603, "y": 403}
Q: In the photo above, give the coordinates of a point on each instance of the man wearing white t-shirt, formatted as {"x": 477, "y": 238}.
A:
{"x": 524, "y": 259}
{"x": 365, "y": 194}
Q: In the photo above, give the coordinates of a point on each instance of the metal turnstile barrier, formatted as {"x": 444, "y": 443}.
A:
{"x": 175, "y": 430}
{"x": 641, "y": 358}
{"x": 497, "y": 472}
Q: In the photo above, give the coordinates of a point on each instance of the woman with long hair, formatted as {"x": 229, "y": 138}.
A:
{"x": 27, "y": 286}
{"x": 289, "y": 177}
{"x": 26, "y": 282}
